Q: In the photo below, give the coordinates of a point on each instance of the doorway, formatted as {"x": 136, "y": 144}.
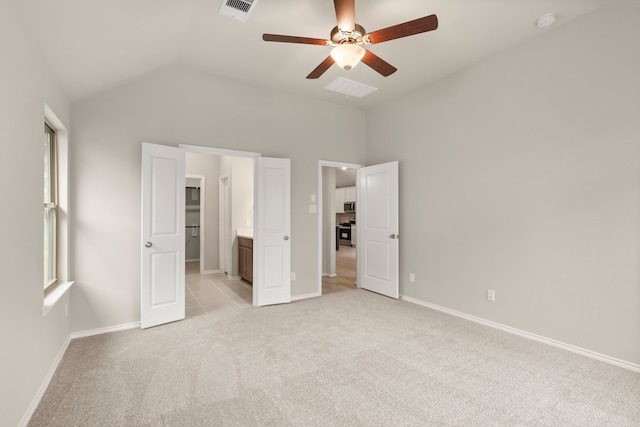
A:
{"x": 337, "y": 226}
{"x": 212, "y": 282}
{"x": 259, "y": 194}
{"x": 195, "y": 212}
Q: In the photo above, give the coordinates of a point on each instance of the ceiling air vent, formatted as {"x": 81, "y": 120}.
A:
{"x": 350, "y": 87}
{"x": 237, "y": 9}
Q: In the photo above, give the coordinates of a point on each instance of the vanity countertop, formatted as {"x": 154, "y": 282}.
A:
{"x": 245, "y": 232}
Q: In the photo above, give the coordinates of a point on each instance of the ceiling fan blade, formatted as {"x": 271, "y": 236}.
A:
{"x": 346, "y": 14}
{"x": 417, "y": 26}
{"x": 293, "y": 39}
{"x": 378, "y": 64}
{"x": 320, "y": 69}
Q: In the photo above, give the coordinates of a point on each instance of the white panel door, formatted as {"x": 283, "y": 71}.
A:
{"x": 163, "y": 248}
{"x": 272, "y": 246}
{"x": 378, "y": 225}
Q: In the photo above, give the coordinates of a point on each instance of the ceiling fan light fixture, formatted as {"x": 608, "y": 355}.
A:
{"x": 347, "y": 55}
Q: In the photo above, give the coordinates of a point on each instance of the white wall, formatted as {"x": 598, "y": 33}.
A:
{"x": 30, "y": 342}
{"x": 177, "y": 106}
{"x": 240, "y": 172}
{"x": 328, "y": 221}
{"x": 522, "y": 174}
{"x": 241, "y": 178}
{"x": 208, "y": 166}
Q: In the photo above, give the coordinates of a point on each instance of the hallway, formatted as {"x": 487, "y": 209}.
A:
{"x": 345, "y": 270}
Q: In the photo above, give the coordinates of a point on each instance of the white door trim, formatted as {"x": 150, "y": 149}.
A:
{"x": 218, "y": 151}
{"x": 333, "y": 164}
{"x": 230, "y": 153}
{"x": 227, "y": 153}
{"x": 223, "y": 243}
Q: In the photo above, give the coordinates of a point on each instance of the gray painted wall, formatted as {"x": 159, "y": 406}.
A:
{"x": 30, "y": 342}
{"x": 522, "y": 174}
{"x": 176, "y": 106}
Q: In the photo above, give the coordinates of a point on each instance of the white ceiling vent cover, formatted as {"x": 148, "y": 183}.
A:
{"x": 237, "y": 9}
{"x": 350, "y": 87}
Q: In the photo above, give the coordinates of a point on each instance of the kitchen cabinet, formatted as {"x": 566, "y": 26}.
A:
{"x": 340, "y": 199}
{"x": 350, "y": 194}
{"x": 245, "y": 258}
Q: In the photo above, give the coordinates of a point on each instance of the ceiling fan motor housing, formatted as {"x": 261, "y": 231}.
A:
{"x": 356, "y": 36}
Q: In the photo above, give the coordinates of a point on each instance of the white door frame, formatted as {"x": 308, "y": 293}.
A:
{"x": 224, "y": 246}
{"x": 181, "y": 150}
{"x": 332, "y": 164}
{"x": 203, "y": 215}
{"x": 229, "y": 153}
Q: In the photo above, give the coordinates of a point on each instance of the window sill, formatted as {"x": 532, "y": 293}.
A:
{"x": 54, "y": 296}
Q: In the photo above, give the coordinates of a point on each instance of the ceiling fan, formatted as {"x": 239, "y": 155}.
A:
{"x": 348, "y": 38}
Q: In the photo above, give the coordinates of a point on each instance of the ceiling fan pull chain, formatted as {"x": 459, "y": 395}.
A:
{"x": 349, "y": 78}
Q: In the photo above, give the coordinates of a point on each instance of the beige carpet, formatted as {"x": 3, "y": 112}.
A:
{"x": 347, "y": 359}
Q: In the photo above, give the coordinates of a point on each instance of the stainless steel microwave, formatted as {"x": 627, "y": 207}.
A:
{"x": 350, "y": 207}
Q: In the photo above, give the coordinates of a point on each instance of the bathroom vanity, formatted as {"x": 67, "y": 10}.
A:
{"x": 245, "y": 256}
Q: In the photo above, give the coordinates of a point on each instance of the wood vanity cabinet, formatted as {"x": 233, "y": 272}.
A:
{"x": 245, "y": 258}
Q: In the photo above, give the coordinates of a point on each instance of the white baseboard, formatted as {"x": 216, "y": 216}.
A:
{"x": 210, "y": 271}
{"x": 234, "y": 277}
{"x": 305, "y": 296}
{"x": 329, "y": 275}
{"x": 581, "y": 351}
{"x": 99, "y": 331}
{"x": 192, "y": 260}
{"x": 45, "y": 384}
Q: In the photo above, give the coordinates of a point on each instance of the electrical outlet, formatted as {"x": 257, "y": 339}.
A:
{"x": 313, "y": 208}
{"x": 412, "y": 278}
{"x": 491, "y": 295}
{"x": 293, "y": 276}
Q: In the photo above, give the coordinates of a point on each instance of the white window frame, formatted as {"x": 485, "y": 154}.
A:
{"x": 63, "y": 284}
{"x": 50, "y": 236}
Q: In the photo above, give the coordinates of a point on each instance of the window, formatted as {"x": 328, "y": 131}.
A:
{"x": 56, "y": 211}
{"x": 50, "y": 209}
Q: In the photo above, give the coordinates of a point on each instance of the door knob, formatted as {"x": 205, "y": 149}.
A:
{"x": 286, "y": 237}
{"x": 393, "y": 236}
{"x": 148, "y": 245}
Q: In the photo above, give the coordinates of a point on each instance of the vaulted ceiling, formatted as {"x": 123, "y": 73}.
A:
{"x": 94, "y": 45}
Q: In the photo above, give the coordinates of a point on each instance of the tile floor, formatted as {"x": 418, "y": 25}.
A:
{"x": 208, "y": 294}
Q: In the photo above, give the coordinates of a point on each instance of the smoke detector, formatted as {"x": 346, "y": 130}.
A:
{"x": 237, "y": 9}
{"x": 546, "y": 20}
